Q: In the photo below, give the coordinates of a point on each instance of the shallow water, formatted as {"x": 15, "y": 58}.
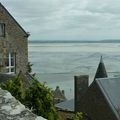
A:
{"x": 57, "y": 63}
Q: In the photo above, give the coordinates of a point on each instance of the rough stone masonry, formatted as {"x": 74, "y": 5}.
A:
{"x": 12, "y": 109}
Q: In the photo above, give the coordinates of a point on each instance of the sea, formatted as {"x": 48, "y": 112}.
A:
{"x": 56, "y": 63}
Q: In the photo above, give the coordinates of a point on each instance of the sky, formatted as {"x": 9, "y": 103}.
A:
{"x": 67, "y": 19}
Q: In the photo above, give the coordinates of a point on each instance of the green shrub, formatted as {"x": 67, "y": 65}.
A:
{"x": 14, "y": 86}
{"x": 78, "y": 116}
{"x": 37, "y": 97}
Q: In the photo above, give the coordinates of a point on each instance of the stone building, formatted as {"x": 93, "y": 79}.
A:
{"x": 58, "y": 95}
{"x": 102, "y": 99}
{"x": 13, "y": 44}
{"x": 84, "y": 93}
{"x": 66, "y": 109}
{"x": 82, "y": 86}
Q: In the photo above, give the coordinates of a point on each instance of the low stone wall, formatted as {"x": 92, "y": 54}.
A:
{"x": 12, "y": 109}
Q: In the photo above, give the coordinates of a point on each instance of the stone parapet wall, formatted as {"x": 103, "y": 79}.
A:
{"x": 12, "y": 109}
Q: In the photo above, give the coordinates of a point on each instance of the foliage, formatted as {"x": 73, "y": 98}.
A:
{"x": 78, "y": 116}
{"x": 14, "y": 86}
{"x": 29, "y": 67}
{"x": 37, "y": 97}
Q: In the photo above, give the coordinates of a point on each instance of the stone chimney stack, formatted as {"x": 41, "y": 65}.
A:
{"x": 80, "y": 87}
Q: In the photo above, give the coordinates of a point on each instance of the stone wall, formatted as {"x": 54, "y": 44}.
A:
{"x": 11, "y": 109}
{"x": 15, "y": 40}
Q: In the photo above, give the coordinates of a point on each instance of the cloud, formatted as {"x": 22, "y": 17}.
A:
{"x": 67, "y": 19}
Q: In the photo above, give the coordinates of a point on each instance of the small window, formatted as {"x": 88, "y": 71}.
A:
{"x": 10, "y": 63}
{"x": 2, "y": 30}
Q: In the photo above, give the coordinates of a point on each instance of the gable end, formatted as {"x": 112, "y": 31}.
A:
{"x": 26, "y": 34}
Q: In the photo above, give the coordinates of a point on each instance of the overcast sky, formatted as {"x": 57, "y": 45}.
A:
{"x": 67, "y": 19}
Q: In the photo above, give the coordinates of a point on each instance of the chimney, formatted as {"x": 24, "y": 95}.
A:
{"x": 80, "y": 87}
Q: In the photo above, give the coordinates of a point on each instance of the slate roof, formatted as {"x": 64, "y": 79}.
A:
{"x": 5, "y": 77}
{"x": 101, "y": 70}
{"x": 110, "y": 88}
{"x": 26, "y": 77}
{"x": 67, "y": 105}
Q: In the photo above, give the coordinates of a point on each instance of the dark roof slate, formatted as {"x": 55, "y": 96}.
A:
{"x": 101, "y": 71}
{"x": 66, "y": 105}
{"x": 5, "y": 77}
{"x": 110, "y": 88}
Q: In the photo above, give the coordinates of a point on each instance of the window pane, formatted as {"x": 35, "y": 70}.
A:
{"x": 12, "y": 62}
{"x": 12, "y": 70}
{"x": 12, "y": 55}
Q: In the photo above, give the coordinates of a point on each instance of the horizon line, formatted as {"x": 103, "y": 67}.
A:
{"x": 75, "y": 40}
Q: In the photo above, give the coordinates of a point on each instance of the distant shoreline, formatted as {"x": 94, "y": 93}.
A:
{"x": 73, "y": 41}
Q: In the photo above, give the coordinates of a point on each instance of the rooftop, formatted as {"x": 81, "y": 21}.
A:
{"x": 110, "y": 87}
{"x": 101, "y": 70}
{"x": 67, "y": 105}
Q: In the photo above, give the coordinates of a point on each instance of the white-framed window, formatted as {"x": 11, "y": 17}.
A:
{"x": 10, "y": 63}
{"x": 2, "y": 30}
